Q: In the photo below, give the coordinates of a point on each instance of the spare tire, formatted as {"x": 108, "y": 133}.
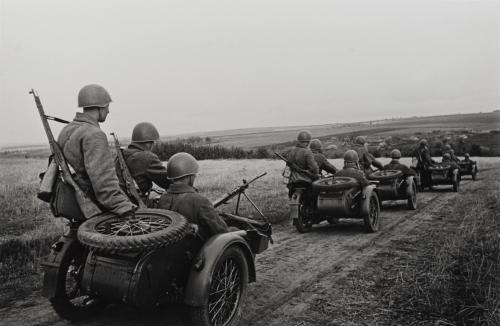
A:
{"x": 382, "y": 175}
{"x": 151, "y": 228}
{"x": 334, "y": 184}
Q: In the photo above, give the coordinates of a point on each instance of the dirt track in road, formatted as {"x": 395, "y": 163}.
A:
{"x": 297, "y": 267}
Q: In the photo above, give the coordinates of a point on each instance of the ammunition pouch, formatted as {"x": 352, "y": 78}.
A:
{"x": 63, "y": 201}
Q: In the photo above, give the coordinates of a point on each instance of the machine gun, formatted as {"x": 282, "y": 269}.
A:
{"x": 295, "y": 167}
{"x": 127, "y": 177}
{"x": 243, "y": 222}
{"x": 87, "y": 206}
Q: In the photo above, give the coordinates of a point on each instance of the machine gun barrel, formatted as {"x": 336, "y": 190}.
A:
{"x": 238, "y": 190}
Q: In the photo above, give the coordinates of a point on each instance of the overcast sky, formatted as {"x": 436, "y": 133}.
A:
{"x": 207, "y": 65}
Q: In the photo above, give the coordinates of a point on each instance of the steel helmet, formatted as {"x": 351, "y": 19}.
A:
{"x": 360, "y": 140}
{"x": 93, "y": 95}
{"x": 396, "y": 153}
{"x": 447, "y": 156}
{"x": 351, "y": 156}
{"x": 181, "y": 165}
{"x": 144, "y": 132}
{"x": 467, "y": 155}
{"x": 315, "y": 144}
{"x": 304, "y": 136}
{"x": 423, "y": 142}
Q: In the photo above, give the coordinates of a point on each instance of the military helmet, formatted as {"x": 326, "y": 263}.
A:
{"x": 93, "y": 95}
{"x": 466, "y": 155}
{"x": 144, "y": 132}
{"x": 447, "y": 147}
{"x": 447, "y": 156}
{"x": 360, "y": 140}
{"x": 351, "y": 156}
{"x": 304, "y": 136}
{"x": 316, "y": 144}
{"x": 180, "y": 165}
{"x": 395, "y": 153}
{"x": 423, "y": 142}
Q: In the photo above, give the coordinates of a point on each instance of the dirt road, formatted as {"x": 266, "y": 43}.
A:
{"x": 296, "y": 269}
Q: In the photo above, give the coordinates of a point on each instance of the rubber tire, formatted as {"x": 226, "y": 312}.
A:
{"x": 301, "y": 225}
{"x": 456, "y": 185}
{"x": 412, "y": 199}
{"x": 371, "y": 227}
{"x": 63, "y": 307}
{"x": 382, "y": 176}
{"x": 199, "y": 315}
{"x": 344, "y": 183}
{"x": 474, "y": 173}
{"x": 92, "y": 239}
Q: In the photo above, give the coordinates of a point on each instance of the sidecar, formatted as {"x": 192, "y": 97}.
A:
{"x": 153, "y": 260}
{"x": 468, "y": 168}
{"x": 444, "y": 174}
{"x": 393, "y": 185}
{"x": 332, "y": 198}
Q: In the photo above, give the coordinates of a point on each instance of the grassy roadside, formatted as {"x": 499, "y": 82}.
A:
{"x": 447, "y": 272}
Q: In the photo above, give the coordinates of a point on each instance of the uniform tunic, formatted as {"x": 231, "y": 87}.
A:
{"x": 185, "y": 200}
{"x": 302, "y": 156}
{"x": 144, "y": 166}
{"x": 354, "y": 173}
{"x": 366, "y": 160}
{"x": 395, "y": 165}
{"x": 86, "y": 149}
{"x": 323, "y": 163}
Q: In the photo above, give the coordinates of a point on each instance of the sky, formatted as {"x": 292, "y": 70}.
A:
{"x": 190, "y": 66}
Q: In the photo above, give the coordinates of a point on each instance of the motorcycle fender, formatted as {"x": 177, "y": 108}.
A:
{"x": 365, "y": 199}
{"x": 51, "y": 264}
{"x": 409, "y": 186}
{"x": 199, "y": 281}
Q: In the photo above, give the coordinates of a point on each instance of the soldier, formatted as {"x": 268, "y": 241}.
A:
{"x": 323, "y": 164}
{"x": 303, "y": 158}
{"x": 351, "y": 168}
{"x": 467, "y": 158}
{"x": 182, "y": 197}
{"x": 366, "y": 160}
{"x": 424, "y": 160}
{"x": 86, "y": 149}
{"x": 144, "y": 165}
{"x": 395, "y": 165}
{"x": 453, "y": 156}
{"x": 448, "y": 161}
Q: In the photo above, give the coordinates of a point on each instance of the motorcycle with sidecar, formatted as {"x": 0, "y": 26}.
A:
{"x": 331, "y": 198}
{"x": 393, "y": 185}
{"x": 151, "y": 260}
{"x": 444, "y": 174}
{"x": 468, "y": 168}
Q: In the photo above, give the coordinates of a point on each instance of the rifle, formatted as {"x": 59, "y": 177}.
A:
{"x": 295, "y": 167}
{"x": 87, "y": 206}
{"x": 127, "y": 177}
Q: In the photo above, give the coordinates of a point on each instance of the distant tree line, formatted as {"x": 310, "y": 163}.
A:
{"x": 202, "y": 151}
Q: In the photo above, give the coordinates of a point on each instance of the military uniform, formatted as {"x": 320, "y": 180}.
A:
{"x": 86, "y": 149}
{"x": 304, "y": 159}
{"x": 322, "y": 162}
{"x": 145, "y": 167}
{"x": 366, "y": 160}
{"x": 449, "y": 162}
{"x": 352, "y": 172}
{"x": 395, "y": 165}
{"x": 197, "y": 209}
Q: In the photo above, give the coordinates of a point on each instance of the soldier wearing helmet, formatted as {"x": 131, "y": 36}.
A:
{"x": 182, "y": 197}
{"x": 351, "y": 168}
{"x": 323, "y": 165}
{"x": 144, "y": 165}
{"x": 366, "y": 160}
{"x": 302, "y": 157}
{"x": 395, "y": 165}
{"x": 86, "y": 149}
{"x": 423, "y": 160}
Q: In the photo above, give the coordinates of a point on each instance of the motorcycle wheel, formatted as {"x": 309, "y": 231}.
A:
{"x": 372, "y": 219}
{"x": 69, "y": 302}
{"x": 456, "y": 185}
{"x": 302, "y": 223}
{"x": 412, "y": 199}
{"x": 474, "y": 172}
{"x": 228, "y": 288}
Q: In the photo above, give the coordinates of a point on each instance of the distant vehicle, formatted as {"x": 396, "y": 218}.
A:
{"x": 393, "y": 185}
{"x": 443, "y": 174}
{"x": 331, "y": 198}
{"x": 468, "y": 168}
